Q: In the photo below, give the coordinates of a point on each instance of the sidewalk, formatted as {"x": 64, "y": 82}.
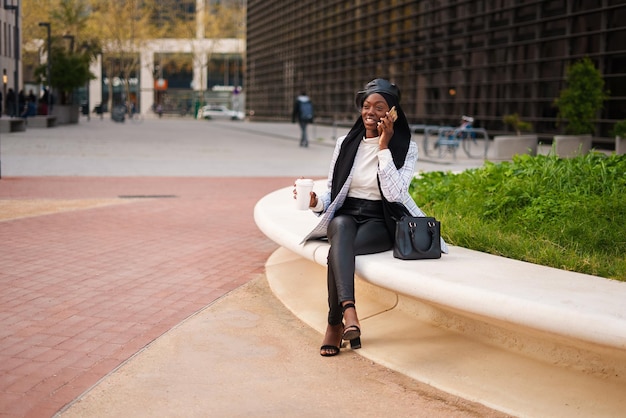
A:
{"x": 131, "y": 280}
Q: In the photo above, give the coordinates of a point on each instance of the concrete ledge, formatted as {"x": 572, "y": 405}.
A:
{"x": 42, "y": 121}
{"x": 506, "y": 146}
{"x": 620, "y": 145}
{"x": 534, "y": 324}
{"x": 568, "y": 146}
{"x": 12, "y": 125}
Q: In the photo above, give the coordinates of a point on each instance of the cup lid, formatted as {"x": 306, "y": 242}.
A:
{"x": 304, "y": 181}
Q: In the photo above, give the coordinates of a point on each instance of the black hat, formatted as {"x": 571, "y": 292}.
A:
{"x": 379, "y": 85}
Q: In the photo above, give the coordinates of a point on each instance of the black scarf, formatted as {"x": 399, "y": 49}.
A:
{"x": 398, "y": 145}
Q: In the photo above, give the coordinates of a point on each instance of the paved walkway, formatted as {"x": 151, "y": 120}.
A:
{"x": 131, "y": 261}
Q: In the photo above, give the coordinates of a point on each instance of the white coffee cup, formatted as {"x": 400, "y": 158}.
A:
{"x": 304, "y": 187}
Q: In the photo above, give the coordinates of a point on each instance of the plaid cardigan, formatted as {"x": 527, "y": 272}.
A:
{"x": 394, "y": 184}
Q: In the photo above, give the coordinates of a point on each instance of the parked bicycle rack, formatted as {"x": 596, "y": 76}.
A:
{"x": 450, "y": 138}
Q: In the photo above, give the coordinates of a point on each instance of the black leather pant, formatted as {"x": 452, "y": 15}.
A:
{"x": 358, "y": 228}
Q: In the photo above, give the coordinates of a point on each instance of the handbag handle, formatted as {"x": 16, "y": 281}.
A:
{"x": 431, "y": 227}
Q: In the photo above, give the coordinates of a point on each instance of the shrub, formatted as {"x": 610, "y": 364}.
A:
{"x": 584, "y": 96}
{"x": 68, "y": 72}
{"x": 619, "y": 129}
{"x": 564, "y": 213}
{"x": 517, "y": 124}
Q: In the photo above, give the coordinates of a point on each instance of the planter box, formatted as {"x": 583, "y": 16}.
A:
{"x": 12, "y": 125}
{"x": 568, "y": 146}
{"x": 620, "y": 145}
{"x": 42, "y": 121}
{"x": 66, "y": 114}
{"x": 506, "y": 146}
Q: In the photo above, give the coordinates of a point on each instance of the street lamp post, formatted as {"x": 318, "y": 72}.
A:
{"x": 48, "y": 64}
{"x": 14, "y": 5}
{"x": 5, "y": 80}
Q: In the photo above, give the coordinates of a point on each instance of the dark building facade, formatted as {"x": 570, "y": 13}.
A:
{"x": 484, "y": 58}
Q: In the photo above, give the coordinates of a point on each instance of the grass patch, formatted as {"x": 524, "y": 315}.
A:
{"x": 563, "y": 213}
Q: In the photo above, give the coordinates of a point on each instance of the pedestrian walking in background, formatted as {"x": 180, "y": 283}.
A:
{"x": 304, "y": 114}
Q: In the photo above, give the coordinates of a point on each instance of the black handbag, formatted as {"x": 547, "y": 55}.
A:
{"x": 417, "y": 238}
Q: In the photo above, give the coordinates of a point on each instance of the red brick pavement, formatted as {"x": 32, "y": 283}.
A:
{"x": 82, "y": 291}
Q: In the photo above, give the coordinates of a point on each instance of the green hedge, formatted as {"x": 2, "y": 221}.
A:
{"x": 564, "y": 213}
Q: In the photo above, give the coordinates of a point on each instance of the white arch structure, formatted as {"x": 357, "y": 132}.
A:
{"x": 200, "y": 49}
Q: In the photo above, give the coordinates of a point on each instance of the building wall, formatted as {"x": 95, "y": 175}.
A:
{"x": 9, "y": 54}
{"x": 484, "y": 58}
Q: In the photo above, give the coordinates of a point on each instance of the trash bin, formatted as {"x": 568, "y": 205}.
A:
{"x": 118, "y": 114}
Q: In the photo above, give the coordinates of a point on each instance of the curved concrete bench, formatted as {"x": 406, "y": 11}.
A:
{"x": 518, "y": 337}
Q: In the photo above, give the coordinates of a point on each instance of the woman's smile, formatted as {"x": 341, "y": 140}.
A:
{"x": 373, "y": 110}
{"x": 371, "y": 119}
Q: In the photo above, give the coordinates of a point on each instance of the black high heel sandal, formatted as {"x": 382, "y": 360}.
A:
{"x": 351, "y": 332}
{"x": 328, "y": 350}
{"x": 355, "y": 343}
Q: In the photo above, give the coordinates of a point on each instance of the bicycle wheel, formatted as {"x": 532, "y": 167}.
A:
{"x": 472, "y": 147}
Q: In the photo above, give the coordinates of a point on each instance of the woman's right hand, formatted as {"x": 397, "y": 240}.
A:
{"x": 385, "y": 130}
{"x": 312, "y": 201}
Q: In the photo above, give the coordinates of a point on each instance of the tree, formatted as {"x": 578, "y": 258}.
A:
{"x": 121, "y": 29}
{"x": 33, "y": 12}
{"x": 73, "y": 44}
{"x": 582, "y": 99}
{"x": 72, "y": 17}
{"x": 67, "y": 18}
{"x": 212, "y": 23}
{"x": 69, "y": 71}
{"x": 125, "y": 28}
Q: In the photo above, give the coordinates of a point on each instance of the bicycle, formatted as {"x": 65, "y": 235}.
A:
{"x": 449, "y": 139}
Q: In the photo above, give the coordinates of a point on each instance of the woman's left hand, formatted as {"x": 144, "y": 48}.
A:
{"x": 385, "y": 131}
